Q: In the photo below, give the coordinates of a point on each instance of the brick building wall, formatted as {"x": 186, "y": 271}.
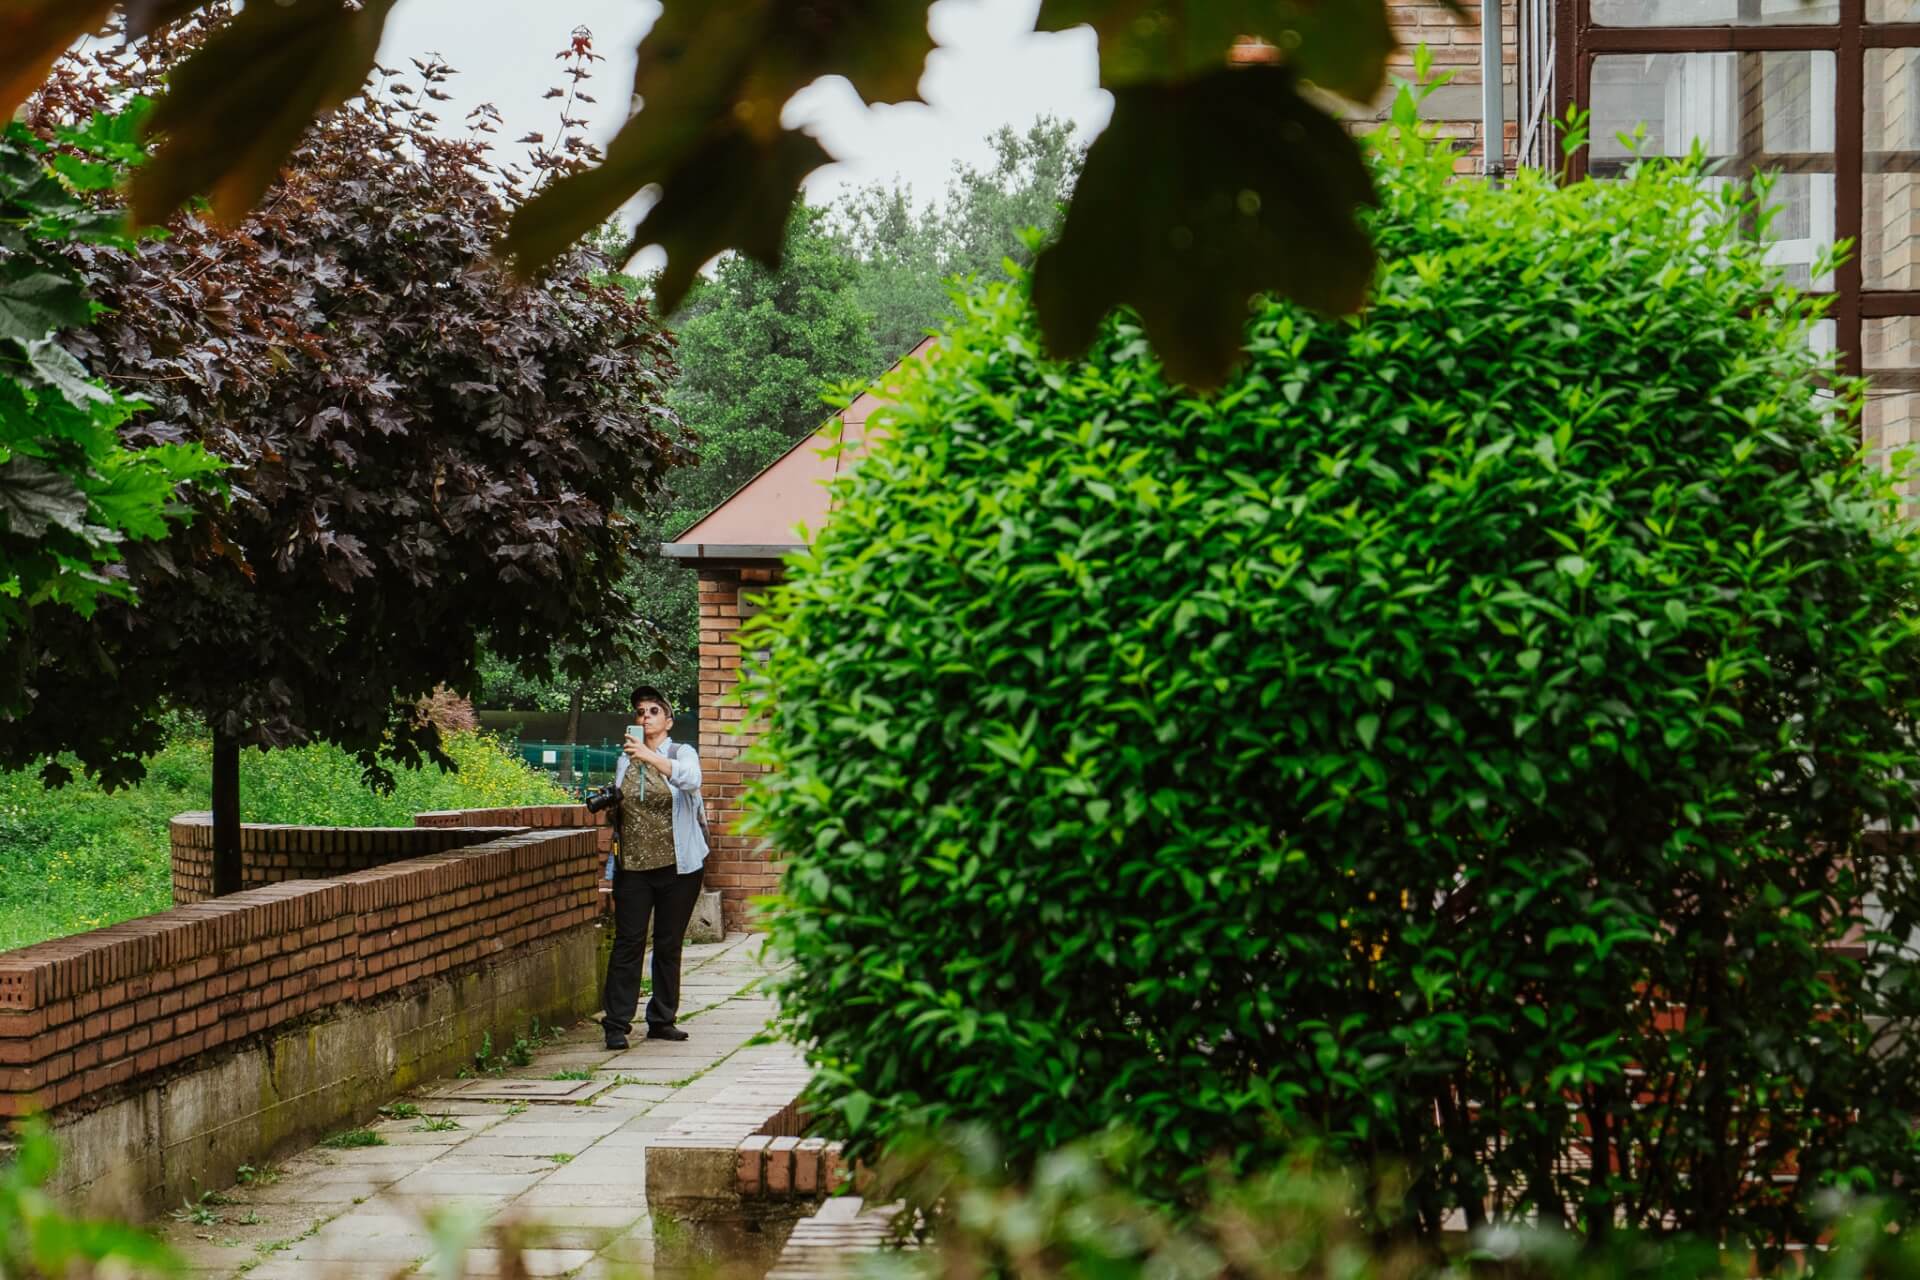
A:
{"x": 736, "y": 864}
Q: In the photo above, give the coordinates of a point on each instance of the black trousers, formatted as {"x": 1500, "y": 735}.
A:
{"x": 669, "y": 898}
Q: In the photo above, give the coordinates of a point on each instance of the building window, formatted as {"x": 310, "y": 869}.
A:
{"x": 1826, "y": 95}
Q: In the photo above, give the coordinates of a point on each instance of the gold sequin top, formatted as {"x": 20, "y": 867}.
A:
{"x": 646, "y": 819}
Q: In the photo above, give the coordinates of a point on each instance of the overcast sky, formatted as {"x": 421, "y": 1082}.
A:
{"x": 991, "y": 69}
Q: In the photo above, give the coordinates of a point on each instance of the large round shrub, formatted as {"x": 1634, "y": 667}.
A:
{"x": 1451, "y": 740}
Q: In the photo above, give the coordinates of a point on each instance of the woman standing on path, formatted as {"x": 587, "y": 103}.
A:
{"x": 657, "y": 872}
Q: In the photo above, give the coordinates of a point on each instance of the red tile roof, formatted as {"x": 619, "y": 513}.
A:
{"x": 792, "y": 491}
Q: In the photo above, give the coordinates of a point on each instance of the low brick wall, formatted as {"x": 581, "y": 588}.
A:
{"x": 82, "y": 1015}
{"x": 836, "y": 1240}
{"x": 164, "y": 1138}
{"x": 537, "y": 817}
{"x": 275, "y": 854}
{"x": 740, "y": 1145}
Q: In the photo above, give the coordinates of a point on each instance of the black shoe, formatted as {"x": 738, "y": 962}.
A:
{"x": 668, "y": 1032}
{"x": 615, "y": 1041}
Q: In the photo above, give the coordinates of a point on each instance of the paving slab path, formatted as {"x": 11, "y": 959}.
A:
{"x": 556, "y": 1147}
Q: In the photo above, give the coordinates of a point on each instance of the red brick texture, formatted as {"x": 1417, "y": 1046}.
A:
{"x": 85, "y": 1013}
{"x": 783, "y": 1166}
{"x": 273, "y": 854}
{"x": 539, "y": 817}
{"x": 739, "y": 867}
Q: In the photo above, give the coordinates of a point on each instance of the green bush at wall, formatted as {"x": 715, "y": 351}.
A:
{"x": 1381, "y": 748}
{"x": 80, "y": 858}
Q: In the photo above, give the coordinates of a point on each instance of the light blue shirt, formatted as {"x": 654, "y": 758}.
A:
{"x": 689, "y": 845}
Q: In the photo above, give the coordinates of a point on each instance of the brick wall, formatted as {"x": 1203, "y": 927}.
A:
{"x": 539, "y": 817}
{"x": 736, "y": 864}
{"x": 79, "y": 1015}
{"x": 272, "y": 854}
{"x": 1454, "y": 42}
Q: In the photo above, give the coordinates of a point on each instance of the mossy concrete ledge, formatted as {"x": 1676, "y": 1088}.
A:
{"x": 164, "y": 1142}
{"x": 704, "y": 1211}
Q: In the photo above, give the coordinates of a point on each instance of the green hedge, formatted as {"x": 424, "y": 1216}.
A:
{"x": 80, "y": 858}
{"x": 1375, "y": 748}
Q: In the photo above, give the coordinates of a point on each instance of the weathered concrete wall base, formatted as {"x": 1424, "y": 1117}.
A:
{"x": 159, "y": 1145}
{"x": 744, "y": 1245}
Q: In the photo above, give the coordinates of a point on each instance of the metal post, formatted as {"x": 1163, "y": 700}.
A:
{"x": 1493, "y": 129}
{"x": 227, "y": 873}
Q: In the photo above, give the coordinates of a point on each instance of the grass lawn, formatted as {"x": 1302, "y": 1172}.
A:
{"x": 79, "y": 858}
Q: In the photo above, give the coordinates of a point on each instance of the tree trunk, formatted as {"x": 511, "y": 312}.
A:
{"x": 226, "y": 814}
{"x": 573, "y": 733}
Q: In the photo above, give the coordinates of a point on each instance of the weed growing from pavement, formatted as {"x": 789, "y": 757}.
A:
{"x": 353, "y": 1138}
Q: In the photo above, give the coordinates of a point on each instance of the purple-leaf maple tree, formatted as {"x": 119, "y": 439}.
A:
{"x": 423, "y": 453}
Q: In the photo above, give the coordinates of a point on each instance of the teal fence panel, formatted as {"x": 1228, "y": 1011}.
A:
{"x": 577, "y": 766}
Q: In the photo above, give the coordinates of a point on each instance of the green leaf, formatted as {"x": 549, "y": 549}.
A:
{"x": 84, "y": 175}
{"x": 36, "y": 499}
{"x": 1251, "y": 173}
{"x": 53, "y": 367}
{"x": 35, "y": 303}
{"x": 1368, "y": 727}
{"x": 712, "y": 78}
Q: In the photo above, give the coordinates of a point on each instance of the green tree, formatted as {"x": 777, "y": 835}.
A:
{"x": 414, "y": 469}
{"x": 1453, "y": 741}
{"x": 757, "y": 350}
{"x": 909, "y": 254}
{"x": 72, "y": 494}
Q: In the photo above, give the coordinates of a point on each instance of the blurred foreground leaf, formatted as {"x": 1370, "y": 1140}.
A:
{"x": 1256, "y": 190}
{"x": 1214, "y": 188}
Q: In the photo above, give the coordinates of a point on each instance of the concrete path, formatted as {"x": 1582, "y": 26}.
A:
{"x": 553, "y": 1150}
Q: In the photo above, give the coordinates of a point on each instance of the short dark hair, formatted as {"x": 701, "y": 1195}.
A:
{"x": 647, "y": 693}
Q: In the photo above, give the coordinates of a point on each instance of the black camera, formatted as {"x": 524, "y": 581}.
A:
{"x": 602, "y": 800}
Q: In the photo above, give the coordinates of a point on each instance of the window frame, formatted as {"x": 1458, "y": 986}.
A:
{"x": 1849, "y": 38}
